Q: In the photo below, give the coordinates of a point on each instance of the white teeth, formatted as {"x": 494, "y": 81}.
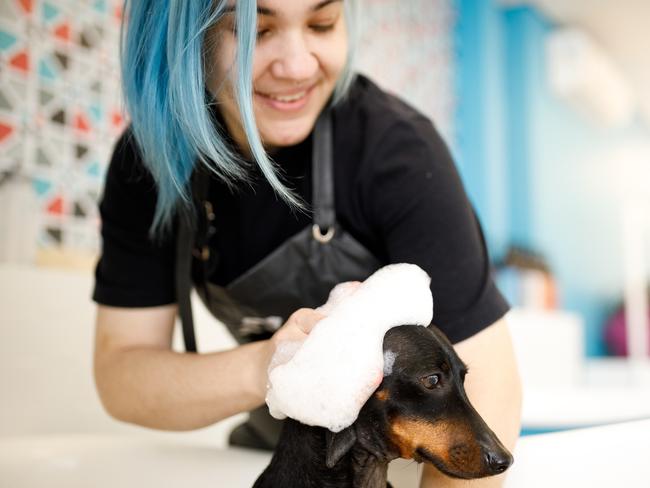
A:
{"x": 288, "y": 99}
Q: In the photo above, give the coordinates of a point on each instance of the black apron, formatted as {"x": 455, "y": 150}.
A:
{"x": 299, "y": 273}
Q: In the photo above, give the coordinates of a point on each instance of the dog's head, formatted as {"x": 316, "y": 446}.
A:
{"x": 420, "y": 411}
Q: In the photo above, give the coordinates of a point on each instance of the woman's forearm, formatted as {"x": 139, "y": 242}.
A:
{"x": 162, "y": 389}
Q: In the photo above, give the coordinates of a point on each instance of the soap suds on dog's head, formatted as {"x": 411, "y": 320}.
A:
{"x": 389, "y": 360}
{"x": 313, "y": 389}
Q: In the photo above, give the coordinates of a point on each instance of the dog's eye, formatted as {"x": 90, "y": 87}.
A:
{"x": 430, "y": 381}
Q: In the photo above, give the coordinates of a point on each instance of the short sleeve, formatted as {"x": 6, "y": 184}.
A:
{"x": 422, "y": 213}
{"x": 133, "y": 270}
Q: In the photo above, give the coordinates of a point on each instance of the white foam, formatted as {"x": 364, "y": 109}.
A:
{"x": 389, "y": 360}
{"x": 341, "y": 363}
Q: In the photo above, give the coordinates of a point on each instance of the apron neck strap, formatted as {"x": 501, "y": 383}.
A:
{"x": 323, "y": 172}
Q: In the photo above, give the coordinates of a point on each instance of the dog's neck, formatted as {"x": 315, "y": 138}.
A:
{"x": 367, "y": 470}
{"x": 299, "y": 460}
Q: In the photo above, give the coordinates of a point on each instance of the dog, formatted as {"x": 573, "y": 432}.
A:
{"x": 420, "y": 411}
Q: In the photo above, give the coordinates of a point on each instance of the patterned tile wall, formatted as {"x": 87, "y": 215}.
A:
{"x": 407, "y": 46}
{"x": 61, "y": 109}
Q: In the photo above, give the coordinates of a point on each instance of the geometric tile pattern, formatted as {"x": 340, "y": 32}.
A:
{"x": 408, "y": 48}
{"x": 60, "y": 109}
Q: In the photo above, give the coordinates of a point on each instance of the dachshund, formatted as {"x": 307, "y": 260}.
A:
{"x": 420, "y": 411}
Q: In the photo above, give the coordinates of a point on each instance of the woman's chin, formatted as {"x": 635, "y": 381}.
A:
{"x": 288, "y": 137}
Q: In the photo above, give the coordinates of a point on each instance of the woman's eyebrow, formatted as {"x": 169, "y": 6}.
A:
{"x": 273, "y": 13}
{"x": 323, "y": 4}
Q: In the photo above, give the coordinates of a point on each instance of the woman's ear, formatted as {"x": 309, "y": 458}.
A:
{"x": 338, "y": 445}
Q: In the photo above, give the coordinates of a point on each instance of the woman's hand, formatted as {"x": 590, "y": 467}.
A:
{"x": 297, "y": 327}
{"x": 302, "y": 321}
{"x": 295, "y": 330}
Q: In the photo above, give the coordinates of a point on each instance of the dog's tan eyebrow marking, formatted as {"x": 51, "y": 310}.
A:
{"x": 382, "y": 395}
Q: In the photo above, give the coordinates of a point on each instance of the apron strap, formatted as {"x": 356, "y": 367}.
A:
{"x": 323, "y": 175}
{"x": 190, "y": 241}
{"x": 184, "y": 244}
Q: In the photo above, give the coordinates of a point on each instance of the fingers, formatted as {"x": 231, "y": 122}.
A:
{"x": 305, "y": 319}
{"x": 349, "y": 287}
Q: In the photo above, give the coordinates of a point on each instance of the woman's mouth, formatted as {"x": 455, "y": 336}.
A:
{"x": 286, "y": 102}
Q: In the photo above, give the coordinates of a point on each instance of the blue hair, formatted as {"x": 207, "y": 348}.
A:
{"x": 163, "y": 81}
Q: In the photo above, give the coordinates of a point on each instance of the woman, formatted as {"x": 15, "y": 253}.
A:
{"x": 216, "y": 90}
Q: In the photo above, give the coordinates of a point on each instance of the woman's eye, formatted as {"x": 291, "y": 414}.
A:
{"x": 262, "y": 33}
{"x": 431, "y": 381}
{"x": 322, "y": 27}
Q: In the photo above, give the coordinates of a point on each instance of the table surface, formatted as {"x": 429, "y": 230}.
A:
{"x": 613, "y": 455}
{"x": 611, "y": 390}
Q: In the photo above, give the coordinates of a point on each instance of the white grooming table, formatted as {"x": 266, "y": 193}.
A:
{"x": 603, "y": 457}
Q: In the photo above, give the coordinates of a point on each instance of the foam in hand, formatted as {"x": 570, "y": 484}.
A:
{"x": 325, "y": 380}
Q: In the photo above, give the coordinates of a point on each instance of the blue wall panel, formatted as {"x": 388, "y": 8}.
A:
{"x": 540, "y": 174}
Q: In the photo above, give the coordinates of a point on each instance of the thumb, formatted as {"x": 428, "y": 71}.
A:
{"x": 306, "y": 318}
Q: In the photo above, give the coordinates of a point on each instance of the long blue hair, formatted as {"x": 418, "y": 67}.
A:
{"x": 163, "y": 82}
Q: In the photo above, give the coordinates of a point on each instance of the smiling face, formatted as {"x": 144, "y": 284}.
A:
{"x": 300, "y": 53}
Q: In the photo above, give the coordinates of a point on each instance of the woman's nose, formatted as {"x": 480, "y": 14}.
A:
{"x": 294, "y": 60}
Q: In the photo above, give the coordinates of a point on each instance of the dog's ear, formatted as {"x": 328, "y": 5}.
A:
{"x": 438, "y": 333}
{"x": 338, "y": 444}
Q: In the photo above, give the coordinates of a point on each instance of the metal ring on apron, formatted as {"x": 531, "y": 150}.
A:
{"x": 319, "y": 236}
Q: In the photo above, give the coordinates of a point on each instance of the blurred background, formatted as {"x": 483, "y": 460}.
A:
{"x": 544, "y": 103}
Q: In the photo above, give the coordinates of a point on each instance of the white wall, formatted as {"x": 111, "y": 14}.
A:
{"x": 46, "y": 344}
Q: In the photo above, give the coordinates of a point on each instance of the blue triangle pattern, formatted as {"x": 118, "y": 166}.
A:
{"x": 45, "y": 70}
{"x": 94, "y": 169}
{"x": 100, "y": 5}
{"x": 96, "y": 112}
{"x": 6, "y": 40}
{"x": 49, "y": 11}
{"x": 41, "y": 186}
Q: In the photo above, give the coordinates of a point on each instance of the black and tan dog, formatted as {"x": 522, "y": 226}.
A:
{"x": 420, "y": 411}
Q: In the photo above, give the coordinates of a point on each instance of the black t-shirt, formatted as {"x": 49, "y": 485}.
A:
{"x": 397, "y": 192}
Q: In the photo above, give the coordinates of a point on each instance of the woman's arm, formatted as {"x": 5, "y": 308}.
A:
{"x": 142, "y": 381}
{"x": 494, "y": 388}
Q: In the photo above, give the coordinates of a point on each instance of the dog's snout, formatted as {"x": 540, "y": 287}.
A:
{"x": 498, "y": 461}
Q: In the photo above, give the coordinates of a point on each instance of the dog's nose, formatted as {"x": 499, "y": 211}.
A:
{"x": 498, "y": 462}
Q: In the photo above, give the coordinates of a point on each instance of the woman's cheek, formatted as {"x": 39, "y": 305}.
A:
{"x": 333, "y": 52}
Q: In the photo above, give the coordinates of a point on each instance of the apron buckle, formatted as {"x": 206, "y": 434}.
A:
{"x": 203, "y": 253}
{"x": 319, "y": 236}
{"x": 209, "y": 211}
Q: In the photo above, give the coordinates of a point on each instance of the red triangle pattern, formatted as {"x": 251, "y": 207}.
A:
{"x": 63, "y": 32}
{"x": 55, "y": 206}
{"x": 5, "y": 131}
{"x": 117, "y": 120}
{"x": 27, "y": 5}
{"x": 20, "y": 61}
{"x": 81, "y": 123}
